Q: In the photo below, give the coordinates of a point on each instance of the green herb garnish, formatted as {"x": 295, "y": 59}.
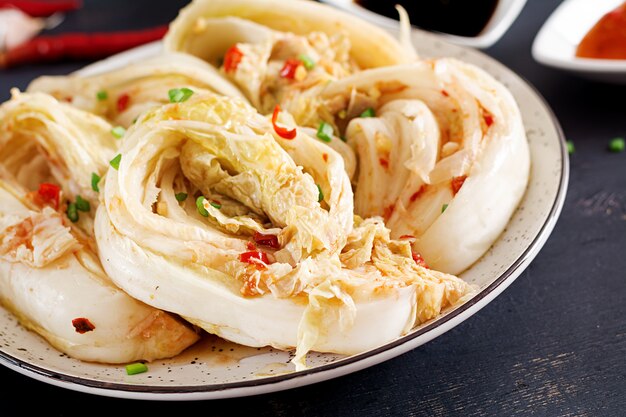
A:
{"x": 178, "y": 95}
{"x": 320, "y": 195}
{"x": 216, "y": 205}
{"x": 325, "y": 132}
{"x": 118, "y": 131}
{"x": 200, "y": 206}
{"x": 570, "y": 147}
{"x": 617, "y": 145}
{"x": 72, "y": 212}
{"x": 368, "y": 113}
{"x": 95, "y": 179}
{"x": 102, "y": 95}
{"x": 115, "y": 162}
{"x": 307, "y": 61}
{"x": 444, "y": 207}
{"x": 82, "y": 204}
{"x": 181, "y": 197}
{"x": 136, "y": 368}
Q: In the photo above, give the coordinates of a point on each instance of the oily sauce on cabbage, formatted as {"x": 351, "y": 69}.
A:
{"x": 456, "y": 17}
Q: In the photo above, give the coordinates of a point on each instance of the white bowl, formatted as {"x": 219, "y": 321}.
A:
{"x": 556, "y": 42}
{"x": 505, "y": 14}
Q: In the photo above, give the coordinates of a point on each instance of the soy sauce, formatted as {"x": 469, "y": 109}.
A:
{"x": 456, "y": 17}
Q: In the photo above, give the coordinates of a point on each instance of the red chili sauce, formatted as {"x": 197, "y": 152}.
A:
{"x": 607, "y": 38}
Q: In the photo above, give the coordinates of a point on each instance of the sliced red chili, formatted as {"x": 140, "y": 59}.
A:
{"x": 417, "y": 194}
{"x": 82, "y": 325}
{"x": 281, "y": 131}
{"x": 407, "y": 237}
{"x": 266, "y": 240}
{"x": 250, "y": 246}
{"x": 488, "y": 117}
{"x": 256, "y": 257}
{"x": 49, "y": 194}
{"x": 232, "y": 59}
{"x": 445, "y": 93}
{"x": 419, "y": 260}
{"x": 122, "y": 102}
{"x": 290, "y": 67}
{"x": 325, "y": 157}
{"x": 384, "y": 162}
{"x": 457, "y": 183}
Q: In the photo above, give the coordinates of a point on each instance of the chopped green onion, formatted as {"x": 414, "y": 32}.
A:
{"x": 617, "y": 145}
{"x": 216, "y": 205}
{"x": 200, "y": 206}
{"x": 325, "y": 132}
{"x": 320, "y": 196}
{"x": 95, "y": 179}
{"x": 135, "y": 119}
{"x": 82, "y": 204}
{"x": 178, "y": 95}
{"x": 72, "y": 212}
{"x": 181, "y": 197}
{"x": 368, "y": 113}
{"x": 136, "y": 368}
{"x": 307, "y": 61}
{"x": 570, "y": 147}
{"x": 444, "y": 207}
{"x": 118, "y": 131}
{"x": 343, "y": 138}
{"x": 115, "y": 162}
{"x": 102, "y": 95}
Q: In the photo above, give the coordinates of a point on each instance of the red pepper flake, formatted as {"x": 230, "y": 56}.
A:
{"x": 289, "y": 69}
{"x": 445, "y": 93}
{"x": 281, "y": 131}
{"x": 82, "y": 325}
{"x": 325, "y": 157}
{"x": 251, "y": 246}
{"x": 457, "y": 183}
{"x": 488, "y": 117}
{"x": 417, "y": 194}
{"x": 122, "y": 102}
{"x": 48, "y": 194}
{"x": 256, "y": 257}
{"x": 388, "y": 211}
{"x": 266, "y": 240}
{"x": 232, "y": 59}
{"x": 419, "y": 260}
{"x": 407, "y": 237}
{"x": 384, "y": 162}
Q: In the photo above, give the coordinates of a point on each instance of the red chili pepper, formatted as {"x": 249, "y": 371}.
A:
{"x": 36, "y": 8}
{"x": 256, "y": 257}
{"x": 384, "y": 162}
{"x": 407, "y": 237}
{"x": 232, "y": 58}
{"x": 419, "y": 260}
{"x": 445, "y": 93}
{"x": 49, "y": 194}
{"x": 122, "y": 102}
{"x": 457, "y": 183}
{"x": 82, "y": 325}
{"x": 250, "y": 246}
{"x": 283, "y": 132}
{"x": 78, "y": 46}
{"x": 266, "y": 240}
{"x": 289, "y": 69}
{"x": 488, "y": 118}
{"x": 325, "y": 157}
{"x": 418, "y": 193}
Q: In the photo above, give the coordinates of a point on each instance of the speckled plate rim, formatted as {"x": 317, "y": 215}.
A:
{"x": 343, "y": 366}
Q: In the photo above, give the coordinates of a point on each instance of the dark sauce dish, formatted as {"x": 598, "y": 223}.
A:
{"x": 474, "y": 23}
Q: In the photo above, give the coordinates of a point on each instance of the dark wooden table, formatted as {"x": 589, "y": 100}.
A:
{"x": 553, "y": 344}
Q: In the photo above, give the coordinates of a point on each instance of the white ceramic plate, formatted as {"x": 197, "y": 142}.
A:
{"x": 218, "y": 369}
{"x": 503, "y": 17}
{"x": 556, "y": 42}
